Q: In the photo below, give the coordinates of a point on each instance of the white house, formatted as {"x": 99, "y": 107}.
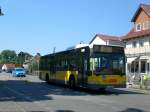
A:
{"x": 137, "y": 42}
{"x": 100, "y": 39}
{"x": 5, "y": 67}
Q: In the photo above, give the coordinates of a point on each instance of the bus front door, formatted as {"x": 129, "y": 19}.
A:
{"x": 82, "y": 77}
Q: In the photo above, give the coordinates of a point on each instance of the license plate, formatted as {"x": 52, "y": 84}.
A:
{"x": 112, "y": 80}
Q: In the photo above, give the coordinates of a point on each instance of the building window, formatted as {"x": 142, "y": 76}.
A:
{"x": 134, "y": 44}
{"x": 134, "y": 67}
{"x": 143, "y": 66}
{"x": 141, "y": 43}
{"x": 148, "y": 65}
{"x": 145, "y": 25}
{"x": 129, "y": 68}
{"x": 138, "y": 27}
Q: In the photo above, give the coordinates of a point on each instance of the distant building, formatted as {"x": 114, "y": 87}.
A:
{"x": 26, "y": 64}
{"x": 5, "y": 67}
{"x": 100, "y": 39}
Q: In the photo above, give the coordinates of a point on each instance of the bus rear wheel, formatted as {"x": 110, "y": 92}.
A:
{"x": 72, "y": 82}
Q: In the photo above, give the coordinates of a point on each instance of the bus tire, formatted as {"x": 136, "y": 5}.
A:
{"x": 72, "y": 82}
{"x": 102, "y": 89}
{"x": 47, "y": 78}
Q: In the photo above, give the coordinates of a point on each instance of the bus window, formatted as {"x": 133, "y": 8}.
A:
{"x": 85, "y": 65}
{"x": 72, "y": 65}
{"x": 99, "y": 63}
{"x": 64, "y": 65}
{"x": 117, "y": 66}
{"x": 94, "y": 63}
{"x": 91, "y": 64}
{"x": 103, "y": 65}
{"x": 121, "y": 65}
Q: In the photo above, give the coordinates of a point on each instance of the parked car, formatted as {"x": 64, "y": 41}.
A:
{"x": 19, "y": 72}
{"x": 9, "y": 70}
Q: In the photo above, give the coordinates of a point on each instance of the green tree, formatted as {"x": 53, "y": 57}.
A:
{"x": 22, "y": 57}
{"x": 34, "y": 64}
{"x": 8, "y": 56}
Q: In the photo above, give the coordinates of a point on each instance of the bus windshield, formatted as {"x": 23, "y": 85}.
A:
{"x": 107, "y": 65}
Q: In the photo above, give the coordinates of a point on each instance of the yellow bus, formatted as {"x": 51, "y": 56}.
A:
{"x": 98, "y": 67}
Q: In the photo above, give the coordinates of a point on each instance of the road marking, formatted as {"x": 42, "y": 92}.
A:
{"x": 18, "y": 93}
{"x": 27, "y": 98}
{"x": 16, "y": 104}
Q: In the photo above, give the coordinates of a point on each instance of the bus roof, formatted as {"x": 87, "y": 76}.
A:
{"x": 66, "y": 51}
{"x": 96, "y": 48}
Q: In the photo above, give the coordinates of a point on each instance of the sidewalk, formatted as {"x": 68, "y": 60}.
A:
{"x": 143, "y": 89}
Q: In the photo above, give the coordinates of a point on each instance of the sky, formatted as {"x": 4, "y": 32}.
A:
{"x": 39, "y": 26}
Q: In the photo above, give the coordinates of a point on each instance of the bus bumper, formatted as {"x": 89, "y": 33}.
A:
{"x": 97, "y": 86}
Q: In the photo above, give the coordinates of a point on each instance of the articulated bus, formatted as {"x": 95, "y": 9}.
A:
{"x": 98, "y": 67}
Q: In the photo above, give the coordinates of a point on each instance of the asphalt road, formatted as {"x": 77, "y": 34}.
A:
{"x": 33, "y": 95}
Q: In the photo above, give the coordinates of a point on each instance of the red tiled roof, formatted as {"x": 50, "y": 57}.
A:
{"x": 133, "y": 34}
{"x": 106, "y": 37}
{"x": 136, "y": 34}
{"x": 10, "y": 65}
{"x": 146, "y": 9}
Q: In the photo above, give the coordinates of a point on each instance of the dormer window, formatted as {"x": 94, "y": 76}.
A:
{"x": 145, "y": 25}
{"x": 138, "y": 27}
